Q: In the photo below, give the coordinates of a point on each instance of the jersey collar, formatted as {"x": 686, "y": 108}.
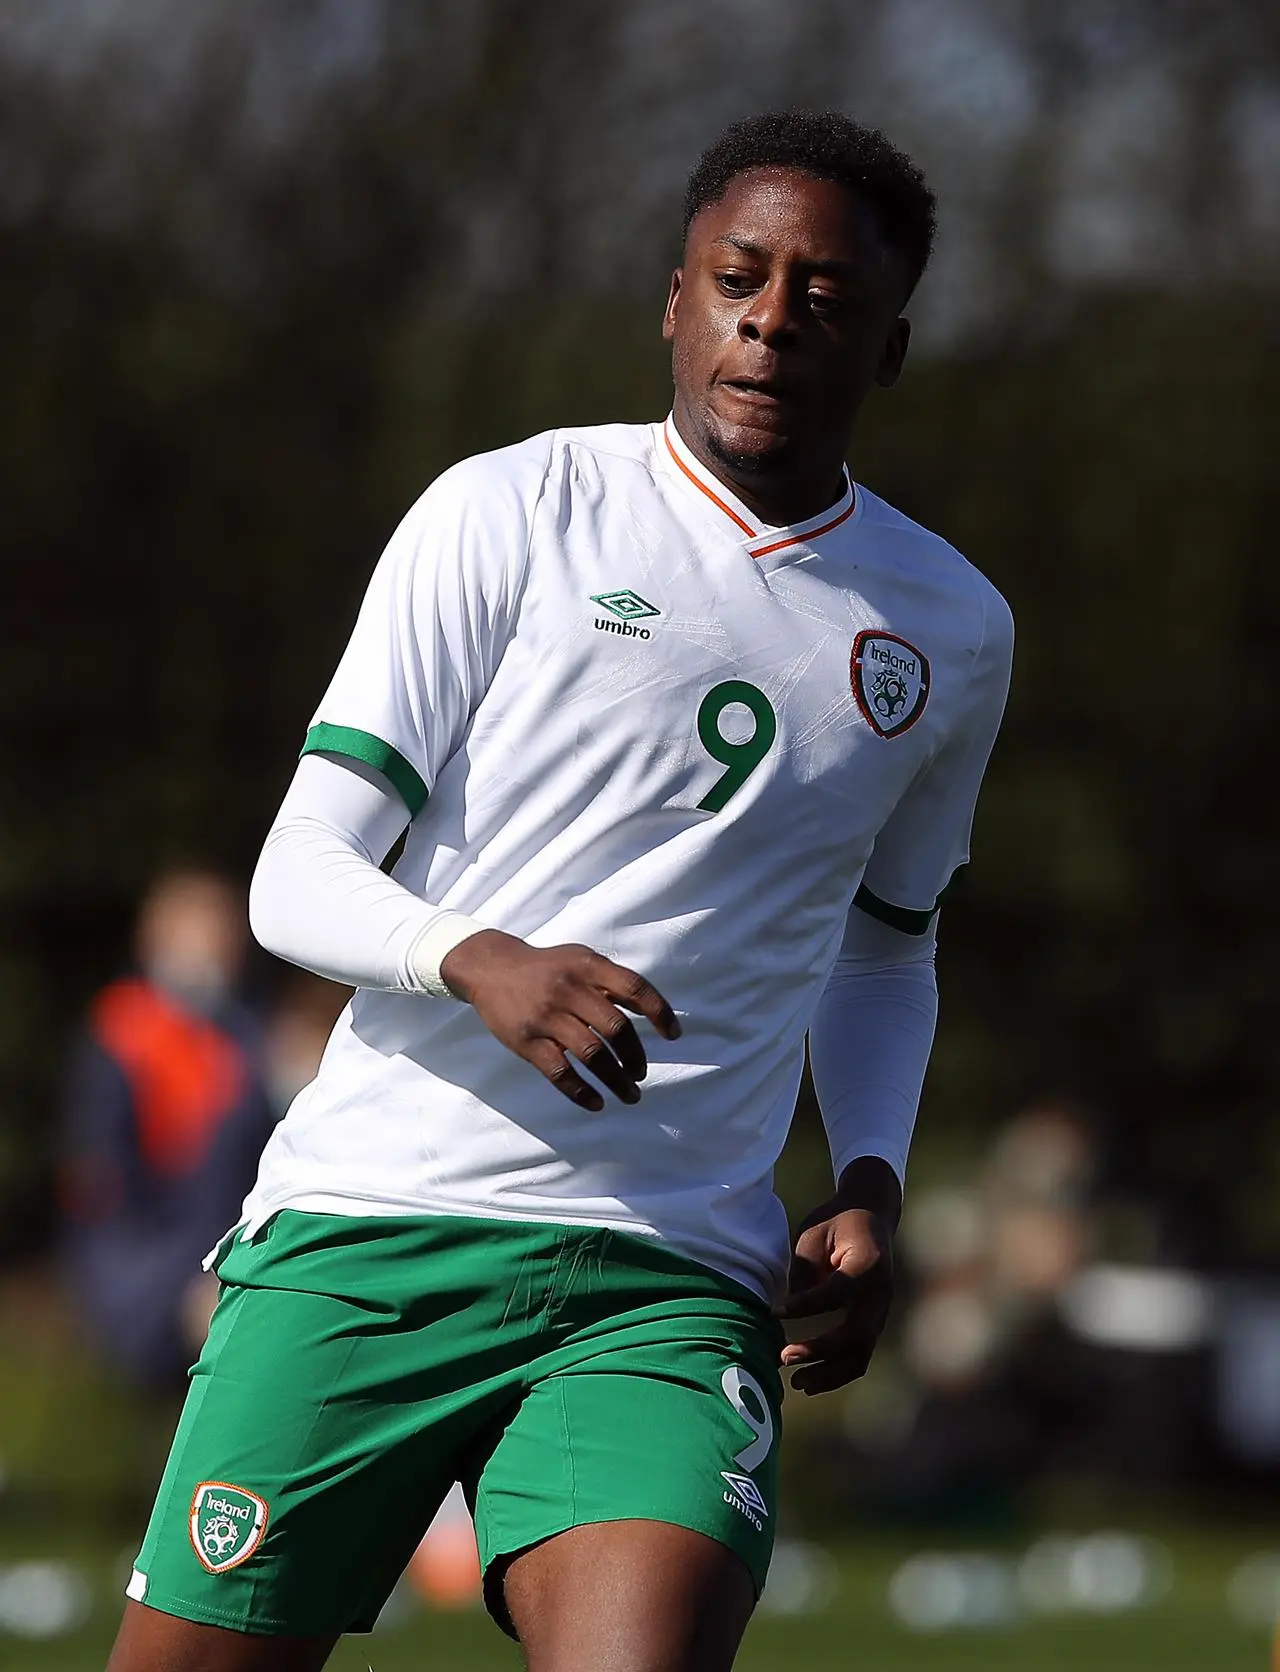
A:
{"x": 766, "y": 545}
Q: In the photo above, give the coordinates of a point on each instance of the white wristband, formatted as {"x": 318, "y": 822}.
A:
{"x": 434, "y": 945}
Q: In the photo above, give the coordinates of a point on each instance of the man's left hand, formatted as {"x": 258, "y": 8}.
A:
{"x": 843, "y": 1262}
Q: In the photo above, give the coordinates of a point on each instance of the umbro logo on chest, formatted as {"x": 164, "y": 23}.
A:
{"x": 625, "y": 609}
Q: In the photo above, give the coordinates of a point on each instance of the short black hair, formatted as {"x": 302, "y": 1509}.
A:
{"x": 828, "y": 145}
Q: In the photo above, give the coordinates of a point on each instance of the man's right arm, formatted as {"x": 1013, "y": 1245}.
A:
{"x": 319, "y": 899}
{"x": 440, "y": 609}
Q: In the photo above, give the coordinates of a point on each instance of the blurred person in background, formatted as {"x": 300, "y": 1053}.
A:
{"x": 167, "y": 1110}
{"x": 1026, "y": 1350}
{"x": 983, "y": 1382}
{"x": 1000, "y": 1383}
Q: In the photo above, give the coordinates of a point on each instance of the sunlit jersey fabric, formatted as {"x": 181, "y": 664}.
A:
{"x": 571, "y": 796}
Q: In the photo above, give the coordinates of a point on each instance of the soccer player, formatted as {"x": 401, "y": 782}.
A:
{"x": 686, "y": 730}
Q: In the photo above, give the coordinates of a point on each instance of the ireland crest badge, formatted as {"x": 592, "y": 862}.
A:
{"x": 227, "y": 1524}
{"x": 890, "y": 680}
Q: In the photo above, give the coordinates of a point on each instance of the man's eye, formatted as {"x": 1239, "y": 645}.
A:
{"x": 734, "y": 284}
{"x": 823, "y": 303}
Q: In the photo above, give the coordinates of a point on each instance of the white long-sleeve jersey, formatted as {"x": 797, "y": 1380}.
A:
{"x": 622, "y": 712}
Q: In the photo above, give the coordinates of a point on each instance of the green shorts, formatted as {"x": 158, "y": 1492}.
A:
{"x": 356, "y": 1367}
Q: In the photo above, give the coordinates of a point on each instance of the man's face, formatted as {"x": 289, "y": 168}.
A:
{"x": 783, "y": 316}
{"x": 191, "y": 938}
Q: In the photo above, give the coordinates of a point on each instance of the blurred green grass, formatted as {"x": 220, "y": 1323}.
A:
{"x": 1189, "y": 1630}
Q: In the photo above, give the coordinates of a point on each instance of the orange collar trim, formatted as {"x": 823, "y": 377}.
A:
{"x": 799, "y": 536}
{"x": 703, "y": 488}
{"x": 811, "y": 534}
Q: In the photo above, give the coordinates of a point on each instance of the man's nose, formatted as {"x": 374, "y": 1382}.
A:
{"x": 770, "y": 318}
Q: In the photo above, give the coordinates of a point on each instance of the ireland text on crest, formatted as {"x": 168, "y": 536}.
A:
{"x": 890, "y": 680}
{"x": 227, "y": 1524}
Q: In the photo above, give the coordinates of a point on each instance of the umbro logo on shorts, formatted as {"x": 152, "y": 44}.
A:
{"x": 745, "y": 1496}
{"x": 227, "y": 1524}
{"x": 625, "y": 609}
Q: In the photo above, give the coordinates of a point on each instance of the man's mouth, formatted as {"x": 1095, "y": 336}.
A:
{"x": 761, "y": 391}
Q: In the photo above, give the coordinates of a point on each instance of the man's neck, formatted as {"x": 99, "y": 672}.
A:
{"x": 780, "y": 497}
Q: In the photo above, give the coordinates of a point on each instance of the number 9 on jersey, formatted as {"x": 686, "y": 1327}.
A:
{"x": 742, "y": 758}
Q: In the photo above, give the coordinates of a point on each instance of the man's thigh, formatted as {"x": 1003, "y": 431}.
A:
{"x": 320, "y": 1434}
{"x": 149, "y": 1640}
{"x": 292, "y": 1497}
{"x": 665, "y": 1416}
{"x": 629, "y": 1596}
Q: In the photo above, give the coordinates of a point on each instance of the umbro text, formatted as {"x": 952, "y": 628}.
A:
{"x": 623, "y": 627}
{"x": 735, "y": 1502}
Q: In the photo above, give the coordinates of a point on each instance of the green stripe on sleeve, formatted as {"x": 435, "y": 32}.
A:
{"x": 364, "y": 746}
{"x": 907, "y": 922}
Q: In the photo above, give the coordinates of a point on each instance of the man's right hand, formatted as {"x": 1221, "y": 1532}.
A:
{"x": 543, "y": 1001}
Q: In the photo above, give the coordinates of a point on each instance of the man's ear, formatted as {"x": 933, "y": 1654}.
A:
{"x": 895, "y": 353}
{"x": 673, "y": 302}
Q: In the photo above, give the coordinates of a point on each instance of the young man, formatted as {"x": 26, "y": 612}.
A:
{"x": 688, "y": 726}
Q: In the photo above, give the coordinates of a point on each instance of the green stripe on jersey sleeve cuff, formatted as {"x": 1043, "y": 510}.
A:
{"x": 903, "y": 919}
{"x": 364, "y": 746}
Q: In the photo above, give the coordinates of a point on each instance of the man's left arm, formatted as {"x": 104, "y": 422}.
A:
{"x": 868, "y": 1049}
{"x": 873, "y": 1030}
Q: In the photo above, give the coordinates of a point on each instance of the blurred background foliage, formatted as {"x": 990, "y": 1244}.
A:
{"x": 267, "y": 270}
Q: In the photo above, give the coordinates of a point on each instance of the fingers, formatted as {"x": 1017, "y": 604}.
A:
{"x": 618, "y": 1033}
{"x": 834, "y": 1373}
{"x": 831, "y": 1360}
{"x": 568, "y": 1033}
{"x": 832, "y": 1293}
{"x": 627, "y": 988}
{"x": 844, "y": 1340}
{"x": 841, "y": 1354}
{"x": 543, "y": 1003}
{"x": 594, "y": 1055}
{"x": 549, "y": 1059}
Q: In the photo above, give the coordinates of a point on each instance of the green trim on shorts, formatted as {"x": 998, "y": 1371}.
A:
{"x": 364, "y": 746}
{"x": 355, "y": 1367}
